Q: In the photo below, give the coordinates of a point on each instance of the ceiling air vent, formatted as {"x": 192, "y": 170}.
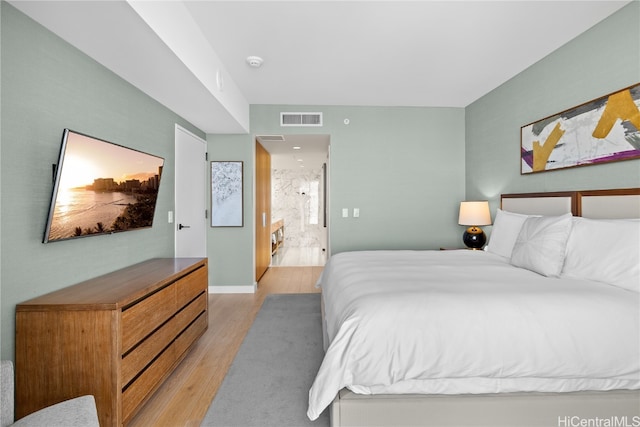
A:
{"x": 300, "y": 119}
{"x": 277, "y": 138}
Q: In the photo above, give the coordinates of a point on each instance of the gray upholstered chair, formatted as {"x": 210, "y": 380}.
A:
{"x": 80, "y": 411}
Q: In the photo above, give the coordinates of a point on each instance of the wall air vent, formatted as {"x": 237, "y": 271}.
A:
{"x": 301, "y": 119}
{"x": 276, "y": 138}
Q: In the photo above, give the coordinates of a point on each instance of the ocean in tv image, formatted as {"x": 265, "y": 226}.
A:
{"x": 102, "y": 188}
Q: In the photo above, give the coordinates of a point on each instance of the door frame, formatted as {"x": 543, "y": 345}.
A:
{"x": 326, "y": 202}
{"x": 261, "y": 212}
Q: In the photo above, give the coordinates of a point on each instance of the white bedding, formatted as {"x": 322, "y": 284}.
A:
{"x": 452, "y": 322}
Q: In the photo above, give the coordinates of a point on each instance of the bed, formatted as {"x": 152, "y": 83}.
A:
{"x": 542, "y": 328}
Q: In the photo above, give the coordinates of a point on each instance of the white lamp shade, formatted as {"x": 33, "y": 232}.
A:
{"x": 474, "y": 213}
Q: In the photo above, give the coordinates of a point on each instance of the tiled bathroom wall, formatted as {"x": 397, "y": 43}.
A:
{"x": 297, "y": 196}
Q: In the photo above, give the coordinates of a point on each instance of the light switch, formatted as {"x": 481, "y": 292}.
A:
{"x": 356, "y": 212}
{"x": 345, "y": 212}
{"x": 170, "y": 217}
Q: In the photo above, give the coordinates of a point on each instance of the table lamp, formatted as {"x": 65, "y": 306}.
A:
{"x": 474, "y": 214}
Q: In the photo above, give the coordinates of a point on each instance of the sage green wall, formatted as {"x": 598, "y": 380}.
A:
{"x": 600, "y": 61}
{"x": 402, "y": 167}
{"x": 230, "y": 249}
{"x": 48, "y": 85}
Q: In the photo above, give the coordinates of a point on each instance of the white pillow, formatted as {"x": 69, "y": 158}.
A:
{"x": 504, "y": 233}
{"x": 541, "y": 244}
{"x": 605, "y": 251}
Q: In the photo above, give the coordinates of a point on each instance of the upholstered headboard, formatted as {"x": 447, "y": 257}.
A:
{"x": 556, "y": 203}
{"x": 614, "y": 203}
{"x": 610, "y": 203}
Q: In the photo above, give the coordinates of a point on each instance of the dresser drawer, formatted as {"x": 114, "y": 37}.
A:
{"x": 190, "y": 312}
{"x": 147, "y": 350}
{"x": 146, "y": 315}
{"x": 191, "y": 334}
{"x": 190, "y": 286}
{"x": 146, "y": 383}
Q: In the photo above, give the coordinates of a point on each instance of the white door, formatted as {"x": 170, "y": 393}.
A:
{"x": 190, "y": 187}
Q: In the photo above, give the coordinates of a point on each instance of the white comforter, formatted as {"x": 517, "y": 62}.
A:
{"x": 451, "y": 322}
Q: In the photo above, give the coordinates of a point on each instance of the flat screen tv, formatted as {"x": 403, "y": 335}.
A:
{"x": 101, "y": 188}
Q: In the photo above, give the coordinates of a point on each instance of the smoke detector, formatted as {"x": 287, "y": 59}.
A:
{"x": 254, "y": 61}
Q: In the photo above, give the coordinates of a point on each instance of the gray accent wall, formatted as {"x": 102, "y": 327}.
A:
{"x": 48, "y": 85}
{"x": 602, "y": 60}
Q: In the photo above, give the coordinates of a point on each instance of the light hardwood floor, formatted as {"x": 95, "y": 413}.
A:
{"x": 185, "y": 396}
{"x": 296, "y": 256}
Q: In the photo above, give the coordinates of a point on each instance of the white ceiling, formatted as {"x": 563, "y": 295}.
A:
{"x": 191, "y": 55}
{"x": 387, "y": 53}
{"x": 311, "y": 154}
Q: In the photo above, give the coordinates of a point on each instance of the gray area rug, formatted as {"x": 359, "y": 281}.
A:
{"x": 269, "y": 380}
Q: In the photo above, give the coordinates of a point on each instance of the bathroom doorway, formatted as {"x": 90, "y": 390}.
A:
{"x": 299, "y": 196}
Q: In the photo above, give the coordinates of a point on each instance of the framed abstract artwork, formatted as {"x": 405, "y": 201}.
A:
{"x": 606, "y": 129}
{"x": 227, "y": 209}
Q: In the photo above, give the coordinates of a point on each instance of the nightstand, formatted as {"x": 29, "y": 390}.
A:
{"x": 460, "y": 249}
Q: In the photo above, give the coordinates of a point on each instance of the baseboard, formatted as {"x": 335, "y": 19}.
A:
{"x": 244, "y": 289}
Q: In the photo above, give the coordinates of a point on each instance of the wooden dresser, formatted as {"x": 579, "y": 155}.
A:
{"x": 117, "y": 337}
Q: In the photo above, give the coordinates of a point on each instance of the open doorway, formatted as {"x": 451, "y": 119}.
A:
{"x": 299, "y": 195}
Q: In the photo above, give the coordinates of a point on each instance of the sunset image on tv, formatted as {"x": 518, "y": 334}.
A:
{"x": 102, "y": 188}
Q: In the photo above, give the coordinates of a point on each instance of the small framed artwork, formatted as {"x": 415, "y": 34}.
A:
{"x": 227, "y": 209}
{"x": 604, "y": 130}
